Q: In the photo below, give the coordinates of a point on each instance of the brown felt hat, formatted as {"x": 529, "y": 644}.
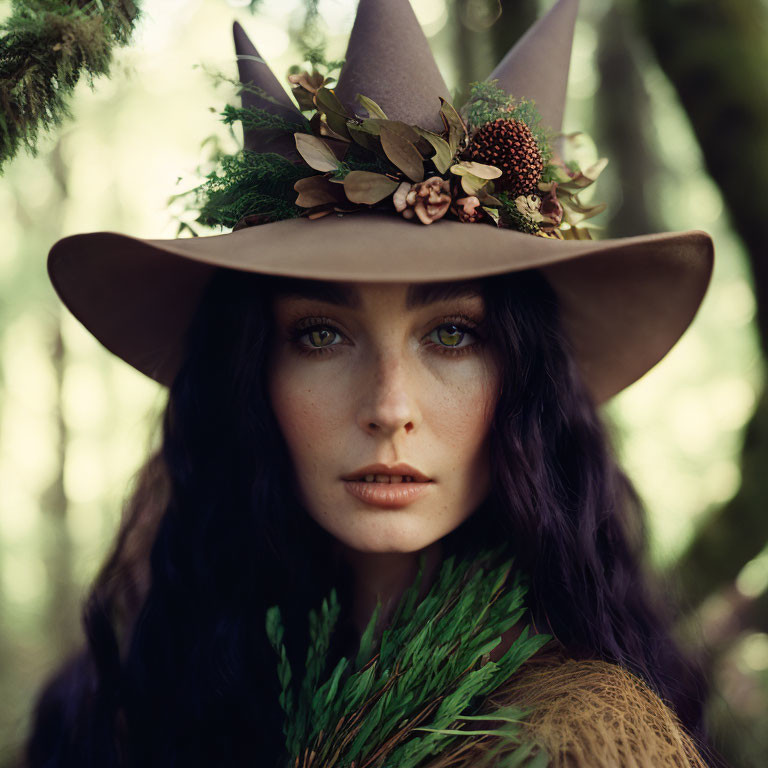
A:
{"x": 624, "y": 302}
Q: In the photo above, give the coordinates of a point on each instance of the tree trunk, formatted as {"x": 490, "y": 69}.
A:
{"x": 478, "y": 48}
{"x": 715, "y": 54}
{"x": 515, "y": 19}
{"x": 63, "y": 605}
{"x": 621, "y": 104}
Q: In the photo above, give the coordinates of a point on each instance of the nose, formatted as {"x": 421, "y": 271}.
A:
{"x": 388, "y": 404}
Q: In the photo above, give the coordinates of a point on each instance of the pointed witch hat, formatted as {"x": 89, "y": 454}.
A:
{"x": 624, "y": 302}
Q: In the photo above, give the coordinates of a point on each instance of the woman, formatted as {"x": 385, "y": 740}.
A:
{"x": 355, "y": 396}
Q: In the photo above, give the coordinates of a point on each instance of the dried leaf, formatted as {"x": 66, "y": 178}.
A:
{"x": 362, "y": 136}
{"x": 588, "y": 210}
{"x": 547, "y": 186}
{"x": 371, "y": 107}
{"x": 556, "y": 173}
{"x": 369, "y": 188}
{"x": 327, "y": 101}
{"x": 457, "y": 131}
{"x": 442, "y": 157}
{"x": 576, "y": 233}
{"x": 402, "y": 153}
{"x": 470, "y": 168}
{"x": 316, "y": 190}
{"x": 552, "y": 234}
{"x": 370, "y": 126}
{"x": 304, "y": 86}
{"x": 325, "y": 130}
{"x": 473, "y": 185}
{"x": 493, "y": 213}
{"x": 584, "y": 179}
{"x": 595, "y": 170}
{"x": 316, "y": 122}
{"x": 575, "y": 213}
{"x": 335, "y": 114}
{"x": 578, "y": 149}
{"x": 318, "y": 214}
{"x": 304, "y": 98}
{"x": 408, "y": 132}
{"x": 487, "y": 199}
{"x": 316, "y": 153}
{"x": 338, "y": 125}
{"x": 586, "y": 225}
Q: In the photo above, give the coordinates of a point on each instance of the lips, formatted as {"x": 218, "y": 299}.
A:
{"x": 388, "y": 487}
{"x": 383, "y": 473}
{"x": 387, "y": 495}
{"x": 370, "y": 478}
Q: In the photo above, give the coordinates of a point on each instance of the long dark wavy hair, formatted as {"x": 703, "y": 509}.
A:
{"x": 177, "y": 670}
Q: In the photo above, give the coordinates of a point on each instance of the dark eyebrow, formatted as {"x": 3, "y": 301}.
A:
{"x": 428, "y": 293}
{"x": 419, "y": 294}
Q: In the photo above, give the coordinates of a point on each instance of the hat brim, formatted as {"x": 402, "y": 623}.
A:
{"x": 624, "y": 302}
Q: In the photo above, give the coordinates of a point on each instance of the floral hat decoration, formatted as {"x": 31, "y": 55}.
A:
{"x": 378, "y": 177}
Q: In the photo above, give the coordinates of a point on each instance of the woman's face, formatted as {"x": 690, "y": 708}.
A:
{"x": 366, "y": 378}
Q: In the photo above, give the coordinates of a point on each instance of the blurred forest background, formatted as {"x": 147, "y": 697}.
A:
{"x": 674, "y": 92}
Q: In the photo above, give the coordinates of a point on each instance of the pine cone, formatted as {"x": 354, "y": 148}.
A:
{"x": 511, "y": 147}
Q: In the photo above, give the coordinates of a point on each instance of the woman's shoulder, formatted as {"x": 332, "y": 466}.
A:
{"x": 595, "y": 713}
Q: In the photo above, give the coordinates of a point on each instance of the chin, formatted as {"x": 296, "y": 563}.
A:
{"x": 388, "y": 548}
{"x": 387, "y": 532}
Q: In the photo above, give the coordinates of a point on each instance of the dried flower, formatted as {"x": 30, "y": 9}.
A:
{"x": 309, "y": 81}
{"x": 429, "y": 200}
{"x": 530, "y": 207}
{"x": 400, "y": 195}
{"x": 468, "y": 209}
{"x": 304, "y": 86}
{"x": 551, "y": 209}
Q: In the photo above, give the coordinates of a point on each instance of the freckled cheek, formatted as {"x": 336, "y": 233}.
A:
{"x": 462, "y": 405}
{"x": 460, "y": 417}
{"x": 309, "y": 414}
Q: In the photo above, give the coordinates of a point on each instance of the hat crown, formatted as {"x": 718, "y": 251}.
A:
{"x": 255, "y": 72}
{"x": 536, "y": 68}
{"x": 389, "y": 60}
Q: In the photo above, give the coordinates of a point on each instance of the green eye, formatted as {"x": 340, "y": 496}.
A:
{"x": 321, "y": 337}
{"x": 449, "y": 335}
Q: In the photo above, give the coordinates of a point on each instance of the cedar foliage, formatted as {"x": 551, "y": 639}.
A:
{"x": 46, "y": 46}
{"x": 255, "y": 118}
{"x": 249, "y": 183}
{"x": 405, "y": 697}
